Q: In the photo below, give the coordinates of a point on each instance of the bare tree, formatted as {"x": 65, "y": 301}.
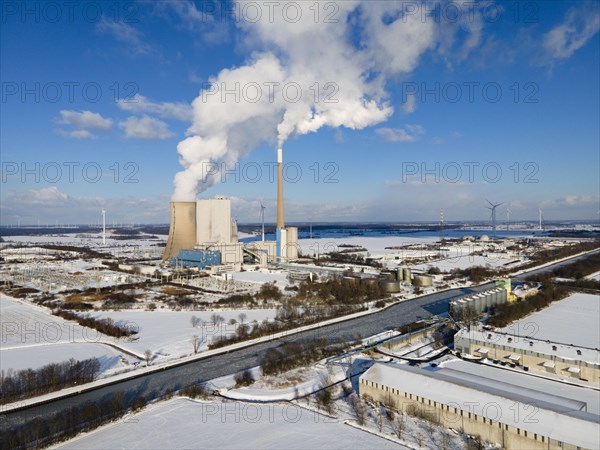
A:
{"x": 147, "y": 356}
{"x": 445, "y": 442}
{"x": 196, "y": 343}
{"x": 195, "y": 321}
{"x": 242, "y": 316}
{"x": 399, "y": 425}
{"x": 358, "y": 407}
{"x": 216, "y": 318}
{"x": 419, "y": 438}
{"x": 379, "y": 419}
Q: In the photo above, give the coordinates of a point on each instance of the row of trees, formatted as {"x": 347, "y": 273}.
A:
{"x": 106, "y": 326}
{"x": 46, "y": 430}
{"x": 296, "y": 354}
{"x": 18, "y": 385}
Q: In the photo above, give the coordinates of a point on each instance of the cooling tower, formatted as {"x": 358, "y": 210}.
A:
{"x": 182, "y": 231}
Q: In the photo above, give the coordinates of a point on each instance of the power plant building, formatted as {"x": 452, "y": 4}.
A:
{"x": 205, "y": 225}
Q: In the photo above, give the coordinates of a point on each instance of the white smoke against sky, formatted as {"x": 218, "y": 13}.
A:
{"x": 352, "y": 58}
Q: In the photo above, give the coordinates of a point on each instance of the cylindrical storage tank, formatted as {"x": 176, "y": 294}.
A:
{"x": 503, "y": 296}
{"x": 291, "y": 246}
{"x": 407, "y": 275}
{"x": 388, "y": 276}
{"x": 478, "y": 303}
{"x": 489, "y": 301}
{"x": 389, "y": 286}
{"x": 422, "y": 280}
{"x": 400, "y": 274}
{"x": 352, "y": 280}
{"x": 370, "y": 281}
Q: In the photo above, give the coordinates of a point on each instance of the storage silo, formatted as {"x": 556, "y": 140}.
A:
{"x": 407, "y": 275}
{"x": 291, "y": 246}
{"x": 389, "y": 286}
{"x": 423, "y": 280}
{"x": 182, "y": 229}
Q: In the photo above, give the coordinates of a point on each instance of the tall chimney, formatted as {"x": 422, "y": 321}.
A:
{"x": 280, "y": 220}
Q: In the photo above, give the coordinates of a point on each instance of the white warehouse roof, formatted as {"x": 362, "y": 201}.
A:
{"x": 557, "y": 417}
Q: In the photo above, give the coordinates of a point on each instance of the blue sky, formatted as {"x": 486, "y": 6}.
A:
{"x": 431, "y": 109}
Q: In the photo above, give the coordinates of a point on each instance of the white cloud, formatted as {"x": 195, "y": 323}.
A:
{"x": 84, "y": 119}
{"x": 124, "y": 33}
{"x": 411, "y": 104}
{"x": 145, "y": 128}
{"x": 76, "y": 134}
{"x": 140, "y": 104}
{"x": 579, "y": 26}
{"x": 51, "y": 204}
{"x": 408, "y": 133}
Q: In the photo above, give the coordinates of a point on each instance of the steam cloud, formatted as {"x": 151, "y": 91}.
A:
{"x": 352, "y": 58}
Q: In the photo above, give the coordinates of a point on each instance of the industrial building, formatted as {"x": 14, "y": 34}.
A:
{"x": 528, "y": 353}
{"x": 483, "y": 407}
{"x": 205, "y": 225}
{"x": 477, "y": 303}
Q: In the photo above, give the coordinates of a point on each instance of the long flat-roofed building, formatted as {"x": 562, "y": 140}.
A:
{"x": 506, "y": 414}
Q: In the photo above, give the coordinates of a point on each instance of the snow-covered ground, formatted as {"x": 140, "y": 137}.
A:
{"x": 266, "y": 276}
{"x": 20, "y": 358}
{"x": 376, "y": 246}
{"x": 573, "y": 320}
{"x": 168, "y": 334}
{"x": 186, "y": 424}
{"x": 140, "y": 246}
{"x": 594, "y": 276}
{"x": 30, "y": 337}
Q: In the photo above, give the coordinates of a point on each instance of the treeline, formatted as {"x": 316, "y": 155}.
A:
{"x": 561, "y": 252}
{"x": 50, "y": 429}
{"x": 579, "y": 269}
{"x": 339, "y": 291}
{"x": 506, "y": 313}
{"x": 106, "y": 326}
{"x": 297, "y": 354}
{"x": 478, "y": 274}
{"x": 49, "y": 378}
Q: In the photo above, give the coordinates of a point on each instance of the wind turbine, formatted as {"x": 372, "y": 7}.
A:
{"x": 540, "y": 213}
{"x": 508, "y": 213}
{"x": 492, "y": 208}
{"x": 103, "y": 227}
{"x": 262, "y": 215}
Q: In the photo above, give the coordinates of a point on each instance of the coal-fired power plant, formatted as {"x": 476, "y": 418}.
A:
{"x": 204, "y": 229}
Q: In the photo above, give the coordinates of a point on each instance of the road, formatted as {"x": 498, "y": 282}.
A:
{"x": 155, "y": 384}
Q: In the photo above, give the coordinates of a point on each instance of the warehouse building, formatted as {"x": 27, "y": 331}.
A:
{"x": 484, "y": 407}
{"x": 550, "y": 358}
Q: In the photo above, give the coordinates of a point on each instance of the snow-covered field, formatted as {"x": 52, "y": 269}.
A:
{"x": 376, "y": 246}
{"x": 573, "y": 320}
{"x": 186, "y": 424}
{"x": 30, "y": 337}
{"x": 594, "y": 276}
{"x": 20, "y": 358}
{"x": 279, "y": 278}
{"x": 26, "y": 325}
{"x": 168, "y": 334}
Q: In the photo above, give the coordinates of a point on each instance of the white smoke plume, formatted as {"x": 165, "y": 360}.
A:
{"x": 351, "y": 51}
